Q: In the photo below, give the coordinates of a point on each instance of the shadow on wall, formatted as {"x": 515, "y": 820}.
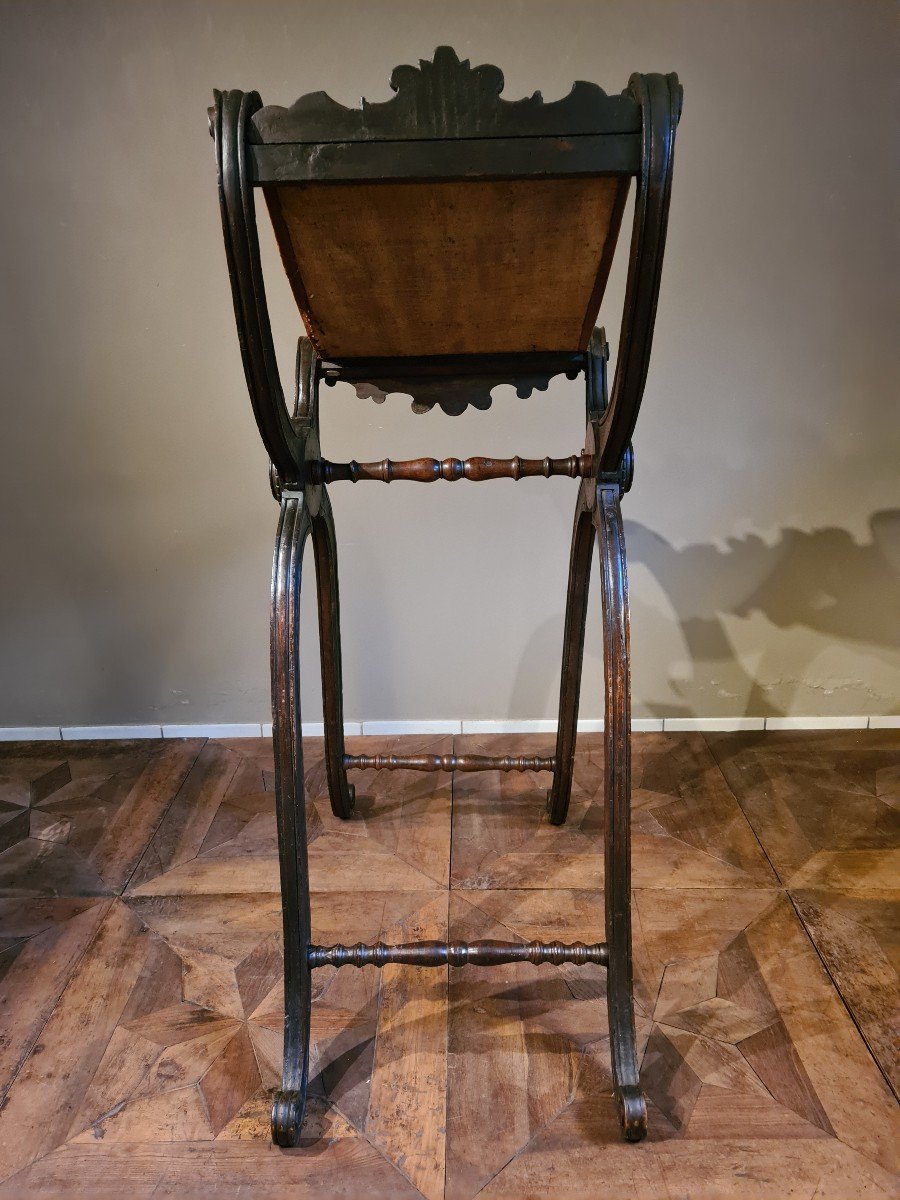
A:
{"x": 813, "y": 580}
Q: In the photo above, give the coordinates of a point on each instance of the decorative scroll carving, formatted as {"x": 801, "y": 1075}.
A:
{"x": 457, "y": 954}
{"x": 452, "y": 395}
{"x": 452, "y": 381}
{"x": 447, "y": 98}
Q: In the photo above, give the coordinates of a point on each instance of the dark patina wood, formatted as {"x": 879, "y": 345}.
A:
{"x": 453, "y": 382}
{"x": 430, "y": 470}
{"x": 290, "y": 1101}
{"x": 607, "y": 517}
{"x": 457, "y": 954}
{"x": 445, "y": 100}
{"x": 325, "y": 549}
{"x": 577, "y": 593}
{"x": 485, "y": 158}
{"x": 449, "y": 135}
{"x": 447, "y": 762}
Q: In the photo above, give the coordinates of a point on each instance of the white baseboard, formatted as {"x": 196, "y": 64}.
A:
{"x": 30, "y": 733}
{"x": 817, "y": 722}
{"x": 254, "y": 729}
{"x": 399, "y": 728}
{"x": 884, "y": 722}
{"x": 712, "y": 724}
{"x": 511, "y": 726}
{"x": 317, "y": 729}
{"x": 83, "y": 733}
{"x": 585, "y": 725}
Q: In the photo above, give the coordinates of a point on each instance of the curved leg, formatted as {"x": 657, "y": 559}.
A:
{"x": 617, "y": 756}
{"x": 325, "y": 547}
{"x": 287, "y": 1110}
{"x": 573, "y": 654}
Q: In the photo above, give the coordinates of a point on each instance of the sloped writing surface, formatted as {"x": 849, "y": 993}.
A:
{"x": 461, "y": 267}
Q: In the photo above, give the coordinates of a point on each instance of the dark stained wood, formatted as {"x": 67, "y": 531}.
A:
{"x": 430, "y": 470}
{"x": 448, "y": 99}
{"x": 453, "y": 382}
{"x": 580, "y": 553}
{"x": 526, "y": 371}
{"x": 324, "y": 543}
{"x": 573, "y": 654}
{"x": 456, "y": 954}
{"x": 289, "y": 1103}
{"x": 285, "y": 447}
{"x": 476, "y": 160}
{"x": 429, "y": 240}
{"x": 447, "y": 762}
{"x": 660, "y": 98}
{"x": 617, "y": 845}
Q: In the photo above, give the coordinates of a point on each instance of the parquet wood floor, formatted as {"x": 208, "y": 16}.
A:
{"x": 141, "y": 966}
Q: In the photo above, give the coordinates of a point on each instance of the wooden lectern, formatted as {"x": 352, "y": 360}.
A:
{"x": 439, "y": 244}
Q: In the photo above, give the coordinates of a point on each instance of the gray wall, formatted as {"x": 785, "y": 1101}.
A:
{"x": 137, "y": 523}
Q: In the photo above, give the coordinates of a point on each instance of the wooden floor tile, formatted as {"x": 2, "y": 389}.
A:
{"x": 221, "y": 837}
{"x": 740, "y": 1169}
{"x": 746, "y": 1050}
{"x": 334, "y": 1162}
{"x": 43, "y": 942}
{"x": 141, "y": 969}
{"x": 86, "y": 814}
{"x": 516, "y": 1032}
{"x": 188, "y": 818}
{"x": 46, "y": 1092}
{"x": 687, "y": 828}
{"x": 407, "y": 1104}
{"x": 825, "y": 806}
{"x": 857, "y": 933}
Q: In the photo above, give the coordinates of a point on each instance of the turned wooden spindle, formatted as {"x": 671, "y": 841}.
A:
{"x": 446, "y": 762}
{"x": 430, "y": 470}
{"x": 457, "y": 954}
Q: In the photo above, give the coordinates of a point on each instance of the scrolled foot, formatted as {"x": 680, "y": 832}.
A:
{"x": 287, "y": 1118}
{"x": 632, "y": 1113}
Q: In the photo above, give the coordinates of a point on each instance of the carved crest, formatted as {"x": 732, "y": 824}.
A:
{"x": 447, "y": 98}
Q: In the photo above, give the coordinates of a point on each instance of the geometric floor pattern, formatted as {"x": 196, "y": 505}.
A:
{"x": 141, "y": 973}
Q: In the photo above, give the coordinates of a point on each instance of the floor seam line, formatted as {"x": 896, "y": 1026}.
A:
{"x": 733, "y": 793}
{"x": 109, "y": 901}
{"x": 156, "y": 828}
{"x": 836, "y": 986}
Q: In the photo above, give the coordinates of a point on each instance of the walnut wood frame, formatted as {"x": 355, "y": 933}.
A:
{"x": 447, "y": 120}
